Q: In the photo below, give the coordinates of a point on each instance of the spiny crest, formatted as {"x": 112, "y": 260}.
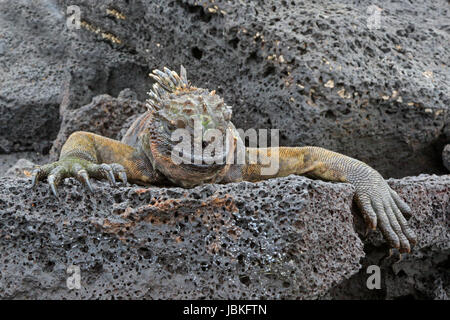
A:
{"x": 166, "y": 83}
{"x": 175, "y": 101}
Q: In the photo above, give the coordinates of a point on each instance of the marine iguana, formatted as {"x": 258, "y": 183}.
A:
{"x": 145, "y": 156}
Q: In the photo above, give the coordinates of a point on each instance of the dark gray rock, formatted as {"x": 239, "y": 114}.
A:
{"x": 22, "y": 168}
{"x": 7, "y": 161}
{"x": 423, "y": 274}
{"x": 446, "y": 157}
{"x": 283, "y": 238}
{"x": 47, "y": 68}
{"x": 105, "y": 115}
{"x": 31, "y": 74}
{"x": 313, "y": 70}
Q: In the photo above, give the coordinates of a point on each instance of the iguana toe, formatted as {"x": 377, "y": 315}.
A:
{"x": 81, "y": 170}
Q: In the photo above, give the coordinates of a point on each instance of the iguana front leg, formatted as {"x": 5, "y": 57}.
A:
{"x": 381, "y": 206}
{"x": 87, "y": 155}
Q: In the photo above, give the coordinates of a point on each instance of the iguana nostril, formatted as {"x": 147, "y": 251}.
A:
{"x": 180, "y": 124}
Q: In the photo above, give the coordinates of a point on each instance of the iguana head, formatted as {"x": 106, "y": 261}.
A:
{"x": 190, "y": 139}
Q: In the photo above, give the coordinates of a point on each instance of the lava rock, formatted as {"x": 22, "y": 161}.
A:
{"x": 319, "y": 72}
{"x": 32, "y": 73}
{"x": 446, "y": 157}
{"x": 105, "y": 115}
{"x": 10, "y": 160}
{"x": 22, "y": 168}
{"x": 316, "y": 71}
{"x": 291, "y": 238}
{"x": 287, "y": 238}
{"x": 422, "y": 274}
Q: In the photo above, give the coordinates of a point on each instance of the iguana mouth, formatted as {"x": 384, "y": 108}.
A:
{"x": 203, "y": 159}
{"x": 191, "y": 170}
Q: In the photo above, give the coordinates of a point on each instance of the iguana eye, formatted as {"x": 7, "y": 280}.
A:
{"x": 170, "y": 127}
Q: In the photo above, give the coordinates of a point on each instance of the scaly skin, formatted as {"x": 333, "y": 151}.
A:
{"x": 144, "y": 157}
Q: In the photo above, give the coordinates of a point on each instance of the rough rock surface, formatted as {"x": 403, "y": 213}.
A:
{"x": 22, "y": 168}
{"x": 283, "y": 238}
{"x": 314, "y": 70}
{"x": 105, "y": 115}
{"x": 7, "y": 161}
{"x": 365, "y": 92}
{"x": 423, "y": 274}
{"x": 446, "y": 157}
{"x": 32, "y": 55}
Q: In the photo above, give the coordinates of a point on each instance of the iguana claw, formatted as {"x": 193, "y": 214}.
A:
{"x": 383, "y": 208}
{"x": 84, "y": 178}
{"x": 81, "y": 170}
{"x": 108, "y": 172}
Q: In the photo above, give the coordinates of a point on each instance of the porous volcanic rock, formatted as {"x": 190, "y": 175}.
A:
{"x": 423, "y": 274}
{"x": 284, "y": 238}
{"x": 9, "y": 162}
{"x": 21, "y": 168}
{"x": 321, "y": 72}
{"x": 446, "y": 157}
{"x": 105, "y": 115}
{"x": 290, "y": 238}
{"x": 316, "y": 71}
{"x": 32, "y": 56}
